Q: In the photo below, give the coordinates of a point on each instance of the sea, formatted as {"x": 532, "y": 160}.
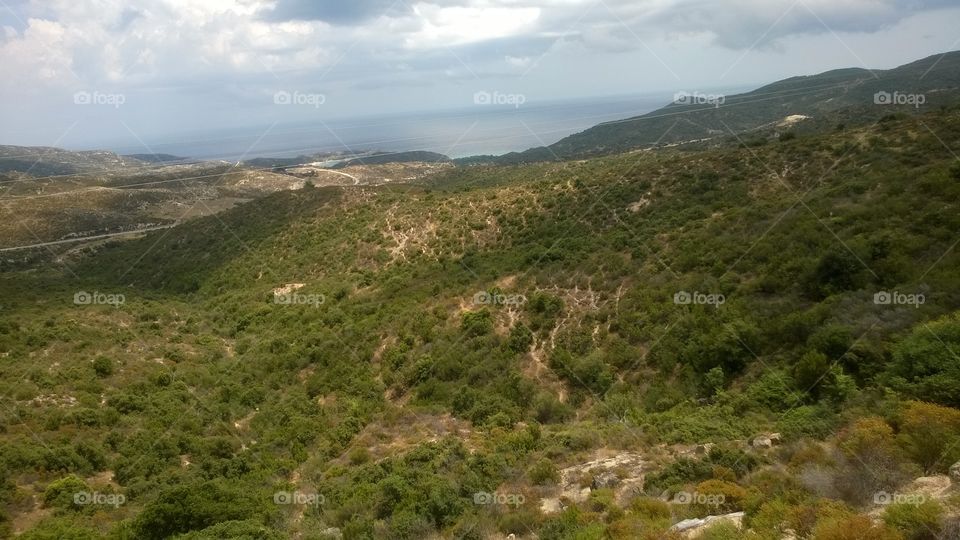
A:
{"x": 473, "y": 131}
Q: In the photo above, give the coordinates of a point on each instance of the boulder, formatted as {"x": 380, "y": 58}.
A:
{"x": 767, "y": 440}
{"x": 762, "y": 442}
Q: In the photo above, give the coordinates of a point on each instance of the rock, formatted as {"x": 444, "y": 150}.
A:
{"x": 762, "y": 442}
{"x": 929, "y": 487}
{"x": 955, "y": 473}
{"x": 551, "y": 505}
{"x": 623, "y": 473}
{"x": 606, "y": 479}
{"x": 767, "y": 440}
{"x": 703, "y": 449}
{"x": 692, "y": 527}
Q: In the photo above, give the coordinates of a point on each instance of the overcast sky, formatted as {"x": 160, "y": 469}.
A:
{"x": 157, "y": 68}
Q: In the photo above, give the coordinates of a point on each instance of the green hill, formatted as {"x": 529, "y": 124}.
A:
{"x": 449, "y": 358}
{"x": 845, "y": 96}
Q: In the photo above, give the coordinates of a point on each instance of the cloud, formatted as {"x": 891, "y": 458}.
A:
{"x": 740, "y": 24}
{"x": 335, "y": 12}
{"x": 183, "y": 51}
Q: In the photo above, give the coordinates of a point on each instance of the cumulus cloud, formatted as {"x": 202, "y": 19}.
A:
{"x": 156, "y": 41}
{"x": 182, "y": 50}
{"x": 739, "y": 24}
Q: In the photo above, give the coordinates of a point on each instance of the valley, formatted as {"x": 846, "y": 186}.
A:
{"x": 747, "y": 329}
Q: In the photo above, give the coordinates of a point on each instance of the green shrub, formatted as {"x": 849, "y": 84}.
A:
{"x": 677, "y": 474}
{"x": 193, "y": 507}
{"x": 916, "y": 521}
{"x": 853, "y": 528}
{"x": 60, "y": 493}
{"x": 723, "y": 530}
{"x": 925, "y": 365}
{"x": 931, "y": 435}
{"x": 543, "y": 472}
{"x": 812, "y": 421}
{"x": 103, "y": 366}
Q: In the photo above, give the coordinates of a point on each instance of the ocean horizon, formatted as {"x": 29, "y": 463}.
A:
{"x": 457, "y": 133}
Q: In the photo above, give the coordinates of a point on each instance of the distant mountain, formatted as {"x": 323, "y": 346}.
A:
{"x": 165, "y": 159}
{"x": 395, "y": 157}
{"x": 341, "y": 160}
{"x": 45, "y": 161}
{"x": 814, "y": 103}
{"x": 280, "y": 162}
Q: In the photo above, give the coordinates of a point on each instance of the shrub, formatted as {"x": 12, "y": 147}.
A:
{"x": 477, "y": 323}
{"x": 543, "y": 472}
{"x": 931, "y": 435}
{"x": 236, "y": 530}
{"x": 675, "y": 475}
{"x": 194, "y": 507}
{"x": 924, "y": 364}
{"x": 853, "y": 528}
{"x": 875, "y": 462}
{"x": 60, "y": 528}
{"x": 730, "y": 496}
{"x": 812, "y": 421}
{"x": 723, "y": 530}
{"x": 916, "y": 521}
{"x": 520, "y": 339}
{"x": 651, "y": 509}
{"x": 60, "y": 493}
{"x": 103, "y": 366}
{"x": 733, "y": 459}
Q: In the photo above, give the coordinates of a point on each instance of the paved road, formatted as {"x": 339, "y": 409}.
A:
{"x": 85, "y": 238}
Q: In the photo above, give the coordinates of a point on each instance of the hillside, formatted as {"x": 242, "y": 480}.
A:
{"x": 547, "y": 349}
{"x": 44, "y": 161}
{"x": 836, "y": 97}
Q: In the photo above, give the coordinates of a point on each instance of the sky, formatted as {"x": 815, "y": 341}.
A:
{"x": 77, "y": 72}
